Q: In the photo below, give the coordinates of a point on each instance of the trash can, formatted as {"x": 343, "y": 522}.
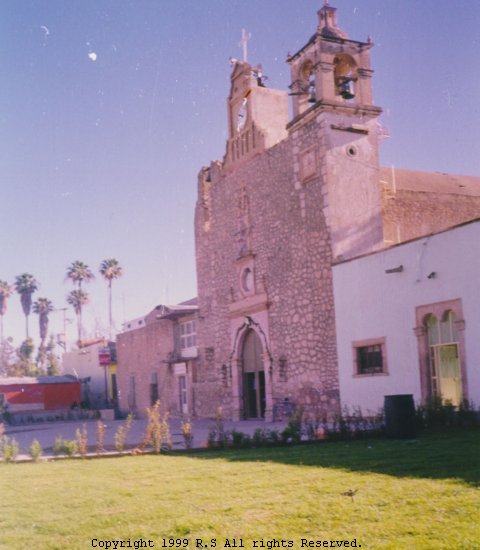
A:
{"x": 400, "y": 416}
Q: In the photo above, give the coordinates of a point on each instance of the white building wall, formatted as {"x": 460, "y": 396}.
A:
{"x": 370, "y": 303}
{"x": 83, "y": 363}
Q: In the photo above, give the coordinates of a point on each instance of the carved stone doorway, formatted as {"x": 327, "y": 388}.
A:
{"x": 253, "y": 376}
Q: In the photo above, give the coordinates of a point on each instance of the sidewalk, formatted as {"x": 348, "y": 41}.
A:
{"x": 47, "y": 432}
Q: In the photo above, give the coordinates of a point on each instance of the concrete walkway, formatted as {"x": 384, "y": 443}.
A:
{"x": 47, "y": 432}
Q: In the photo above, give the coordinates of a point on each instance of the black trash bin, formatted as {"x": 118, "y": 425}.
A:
{"x": 400, "y": 416}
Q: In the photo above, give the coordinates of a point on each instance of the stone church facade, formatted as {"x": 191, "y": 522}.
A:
{"x": 289, "y": 200}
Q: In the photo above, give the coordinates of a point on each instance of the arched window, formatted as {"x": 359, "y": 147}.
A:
{"x": 431, "y": 323}
{"x": 444, "y": 362}
{"x": 448, "y": 331}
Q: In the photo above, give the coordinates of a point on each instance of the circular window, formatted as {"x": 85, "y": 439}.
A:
{"x": 247, "y": 280}
{"x": 352, "y": 151}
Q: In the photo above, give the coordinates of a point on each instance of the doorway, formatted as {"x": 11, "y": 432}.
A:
{"x": 253, "y": 376}
{"x": 182, "y": 392}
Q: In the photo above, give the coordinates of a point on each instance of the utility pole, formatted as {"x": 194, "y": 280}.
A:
{"x": 63, "y": 343}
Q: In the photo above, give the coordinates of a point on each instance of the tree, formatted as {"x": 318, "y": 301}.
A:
{"x": 5, "y": 293}
{"x": 110, "y": 269}
{"x": 53, "y": 365}
{"x": 24, "y": 365}
{"x": 8, "y": 356}
{"x": 43, "y": 306}
{"x": 47, "y": 360}
{"x": 77, "y": 299}
{"x": 26, "y": 285}
{"x": 79, "y": 272}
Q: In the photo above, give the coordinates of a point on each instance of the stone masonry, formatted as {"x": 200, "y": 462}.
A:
{"x": 288, "y": 200}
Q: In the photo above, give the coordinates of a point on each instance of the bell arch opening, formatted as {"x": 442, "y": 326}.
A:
{"x": 345, "y": 75}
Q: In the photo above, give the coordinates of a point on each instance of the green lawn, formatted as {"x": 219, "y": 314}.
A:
{"x": 408, "y": 495}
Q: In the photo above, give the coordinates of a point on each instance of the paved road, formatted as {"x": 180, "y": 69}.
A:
{"x": 47, "y": 432}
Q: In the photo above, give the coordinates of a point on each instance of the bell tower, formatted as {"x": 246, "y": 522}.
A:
{"x": 257, "y": 115}
{"x": 332, "y": 103}
{"x": 332, "y": 69}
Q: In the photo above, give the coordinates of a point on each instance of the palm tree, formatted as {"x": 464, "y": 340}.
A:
{"x": 26, "y": 285}
{"x": 110, "y": 269}
{"x": 5, "y": 293}
{"x": 77, "y": 299}
{"x": 43, "y": 307}
{"x": 78, "y": 272}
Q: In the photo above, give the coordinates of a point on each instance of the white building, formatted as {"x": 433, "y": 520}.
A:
{"x": 84, "y": 364}
{"x": 408, "y": 320}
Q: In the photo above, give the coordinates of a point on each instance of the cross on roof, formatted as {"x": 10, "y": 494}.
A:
{"x": 243, "y": 43}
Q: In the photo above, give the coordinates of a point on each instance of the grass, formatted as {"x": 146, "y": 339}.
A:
{"x": 384, "y": 494}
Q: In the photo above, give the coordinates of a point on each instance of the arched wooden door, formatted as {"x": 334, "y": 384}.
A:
{"x": 253, "y": 376}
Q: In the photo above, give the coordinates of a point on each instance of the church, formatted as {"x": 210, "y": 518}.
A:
{"x": 292, "y": 200}
{"x": 324, "y": 279}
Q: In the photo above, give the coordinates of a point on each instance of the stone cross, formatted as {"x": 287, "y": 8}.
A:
{"x": 243, "y": 43}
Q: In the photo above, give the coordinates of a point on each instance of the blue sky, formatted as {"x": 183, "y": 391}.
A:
{"x": 109, "y": 108}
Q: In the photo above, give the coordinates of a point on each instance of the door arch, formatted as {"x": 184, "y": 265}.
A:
{"x": 253, "y": 376}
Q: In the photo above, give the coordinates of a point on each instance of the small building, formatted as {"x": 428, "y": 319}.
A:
{"x": 21, "y": 396}
{"x": 407, "y": 320}
{"x": 157, "y": 361}
{"x": 100, "y": 387}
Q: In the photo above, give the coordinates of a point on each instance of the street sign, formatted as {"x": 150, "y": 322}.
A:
{"x": 104, "y": 358}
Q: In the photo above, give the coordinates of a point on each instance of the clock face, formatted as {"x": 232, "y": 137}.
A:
{"x": 242, "y": 115}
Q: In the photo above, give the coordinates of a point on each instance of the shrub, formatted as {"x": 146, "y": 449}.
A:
{"x": 437, "y": 413}
{"x": 222, "y": 434}
{"x": 273, "y": 437}
{"x": 58, "y": 445}
{"x": 293, "y": 432}
{"x": 165, "y": 435}
{"x": 9, "y": 449}
{"x": 187, "y": 433}
{"x": 81, "y": 437}
{"x": 259, "y": 438}
{"x": 70, "y": 447}
{"x": 217, "y": 435}
{"x": 157, "y": 432}
{"x": 241, "y": 440}
{"x": 35, "y": 450}
{"x": 100, "y": 436}
{"x": 467, "y": 415}
{"x": 237, "y": 438}
{"x": 212, "y": 437}
{"x": 246, "y": 441}
{"x": 122, "y": 432}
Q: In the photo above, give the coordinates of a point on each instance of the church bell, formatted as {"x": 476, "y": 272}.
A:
{"x": 346, "y": 89}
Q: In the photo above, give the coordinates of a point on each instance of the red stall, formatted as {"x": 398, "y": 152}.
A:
{"x": 44, "y": 393}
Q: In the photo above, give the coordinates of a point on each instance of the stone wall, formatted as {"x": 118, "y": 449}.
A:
{"x": 141, "y": 353}
{"x": 274, "y": 215}
{"x": 410, "y": 214}
{"x": 292, "y": 302}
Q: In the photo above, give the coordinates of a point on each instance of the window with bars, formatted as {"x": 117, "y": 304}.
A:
{"x": 370, "y": 357}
